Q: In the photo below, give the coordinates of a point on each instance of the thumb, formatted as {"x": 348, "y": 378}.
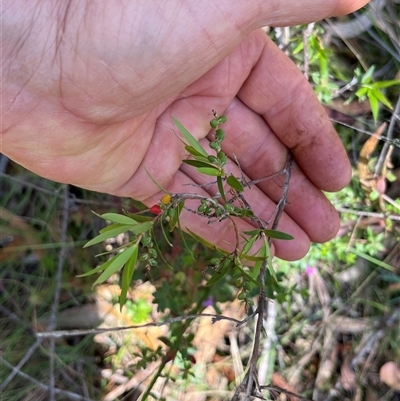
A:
{"x": 255, "y": 14}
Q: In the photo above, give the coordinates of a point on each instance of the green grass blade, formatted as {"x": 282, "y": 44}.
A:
{"x": 372, "y": 259}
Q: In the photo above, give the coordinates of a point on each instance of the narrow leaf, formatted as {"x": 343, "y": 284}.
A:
{"x": 214, "y": 172}
{"x": 382, "y": 98}
{"x": 374, "y": 103}
{"x": 372, "y": 260}
{"x": 234, "y": 183}
{"x": 252, "y": 232}
{"x": 197, "y": 163}
{"x": 156, "y": 183}
{"x": 367, "y": 77}
{"x": 197, "y": 155}
{"x": 138, "y": 217}
{"x": 277, "y": 234}
{"x": 189, "y": 138}
{"x": 362, "y": 92}
{"x": 165, "y": 234}
{"x": 249, "y": 245}
{"x": 221, "y": 188}
{"x": 118, "y": 218}
{"x": 387, "y": 84}
{"x": 117, "y": 263}
{"x": 127, "y": 274}
{"x": 108, "y": 233}
{"x": 156, "y": 247}
{"x": 204, "y": 242}
{"x": 141, "y": 228}
{"x": 100, "y": 268}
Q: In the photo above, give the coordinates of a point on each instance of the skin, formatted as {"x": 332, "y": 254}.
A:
{"x": 89, "y": 89}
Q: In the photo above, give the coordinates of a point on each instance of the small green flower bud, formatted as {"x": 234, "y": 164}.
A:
{"x": 219, "y": 135}
{"x": 153, "y": 253}
{"x": 153, "y": 262}
{"x": 222, "y": 119}
{"x": 212, "y": 159}
{"x": 214, "y": 123}
{"x": 202, "y": 208}
{"x": 144, "y": 257}
{"x": 146, "y": 239}
{"x": 223, "y": 158}
{"x": 215, "y": 146}
{"x": 242, "y": 296}
{"x": 228, "y": 207}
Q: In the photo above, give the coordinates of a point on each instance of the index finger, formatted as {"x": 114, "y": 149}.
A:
{"x": 277, "y": 90}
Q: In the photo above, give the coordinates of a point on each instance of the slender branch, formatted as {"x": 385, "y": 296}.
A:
{"x": 368, "y": 214}
{"x": 283, "y": 391}
{"x": 250, "y": 381}
{"x": 71, "y": 333}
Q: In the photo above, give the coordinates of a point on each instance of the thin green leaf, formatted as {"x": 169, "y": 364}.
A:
{"x": 138, "y": 217}
{"x": 98, "y": 269}
{"x": 362, "y": 92}
{"x": 214, "y": 172}
{"x": 221, "y": 273}
{"x": 382, "y": 98}
{"x": 189, "y": 137}
{"x": 386, "y": 84}
{"x": 234, "y": 183}
{"x": 277, "y": 234}
{"x": 156, "y": 183}
{"x": 197, "y": 163}
{"x": 195, "y": 153}
{"x": 367, "y": 77}
{"x": 127, "y": 274}
{"x": 141, "y": 228}
{"x": 117, "y": 263}
{"x": 253, "y": 258}
{"x": 267, "y": 252}
{"x": 111, "y": 227}
{"x": 205, "y": 243}
{"x": 108, "y": 232}
{"x": 253, "y": 232}
{"x": 118, "y": 218}
{"x": 249, "y": 245}
{"x": 159, "y": 253}
{"x": 221, "y": 188}
{"x": 374, "y": 104}
{"x": 372, "y": 260}
{"x": 165, "y": 234}
{"x": 249, "y": 276}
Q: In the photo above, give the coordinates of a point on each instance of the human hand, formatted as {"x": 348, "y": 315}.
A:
{"x": 89, "y": 92}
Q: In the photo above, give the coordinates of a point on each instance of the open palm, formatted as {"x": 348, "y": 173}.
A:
{"x": 93, "y": 106}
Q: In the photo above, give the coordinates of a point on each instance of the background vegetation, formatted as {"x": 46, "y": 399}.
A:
{"x": 333, "y": 335}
